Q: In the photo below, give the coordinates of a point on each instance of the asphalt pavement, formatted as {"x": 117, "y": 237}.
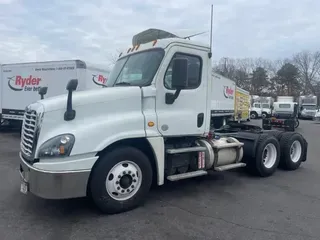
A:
{"x": 229, "y": 205}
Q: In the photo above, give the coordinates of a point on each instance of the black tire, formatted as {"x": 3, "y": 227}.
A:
{"x": 264, "y": 115}
{"x": 98, "y": 191}
{"x": 290, "y": 128}
{"x": 253, "y": 115}
{"x": 286, "y": 142}
{"x": 256, "y": 165}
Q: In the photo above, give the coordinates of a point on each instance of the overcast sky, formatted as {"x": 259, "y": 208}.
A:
{"x": 35, "y": 30}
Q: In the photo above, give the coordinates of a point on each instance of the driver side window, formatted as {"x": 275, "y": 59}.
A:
{"x": 194, "y": 71}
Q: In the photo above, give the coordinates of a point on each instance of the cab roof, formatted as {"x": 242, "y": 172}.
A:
{"x": 157, "y": 38}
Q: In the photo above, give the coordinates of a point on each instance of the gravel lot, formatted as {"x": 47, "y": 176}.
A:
{"x": 230, "y": 205}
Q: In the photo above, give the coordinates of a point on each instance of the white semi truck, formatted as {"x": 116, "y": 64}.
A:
{"x": 307, "y": 106}
{"x": 110, "y": 144}
{"x": 20, "y": 83}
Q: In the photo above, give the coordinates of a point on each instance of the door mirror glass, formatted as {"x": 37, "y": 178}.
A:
{"x": 180, "y": 73}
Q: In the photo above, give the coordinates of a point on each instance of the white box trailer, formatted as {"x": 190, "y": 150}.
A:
{"x": 285, "y": 99}
{"x": 222, "y": 102}
{"x": 222, "y": 99}
{"x": 20, "y": 82}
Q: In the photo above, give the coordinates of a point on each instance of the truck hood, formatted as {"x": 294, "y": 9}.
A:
{"x": 90, "y": 97}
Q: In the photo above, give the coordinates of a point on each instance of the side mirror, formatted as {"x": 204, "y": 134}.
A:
{"x": 43, "y": 91}
{"x": 70, "y": 113}
{"x": 72, "y": 85}
{"x": 179, "y": 73}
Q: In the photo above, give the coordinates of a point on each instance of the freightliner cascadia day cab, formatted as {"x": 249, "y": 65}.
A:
{"x": 151, "y": 123}
{"x": 20, "y": 83}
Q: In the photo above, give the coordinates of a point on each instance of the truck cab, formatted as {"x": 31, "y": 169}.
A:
{"x": 307, "y": 106}
{"x": 307, "y": 111}
{"x": 256, "y": 110}
{"x": 266, "y": 110}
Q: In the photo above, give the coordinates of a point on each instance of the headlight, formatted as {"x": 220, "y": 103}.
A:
{"x": 59, "y": 146}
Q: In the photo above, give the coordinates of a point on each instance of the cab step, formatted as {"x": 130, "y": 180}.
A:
{"x": 229, "y": 167}
{"x": 187, "y": 175}
{"x": 185, "y": 150}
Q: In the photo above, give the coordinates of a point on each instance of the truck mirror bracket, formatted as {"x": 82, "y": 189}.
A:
{"x": 171, "y": 97}
{"x": 42, "y": 92}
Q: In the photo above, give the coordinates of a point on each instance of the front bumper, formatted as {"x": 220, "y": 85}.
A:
{"x": 307, "y": 116}
{"x": 53, "y": 184}
{"x": 316, "y": 119}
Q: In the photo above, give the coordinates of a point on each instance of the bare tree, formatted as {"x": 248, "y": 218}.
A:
{"x": 309, "y": 67}
{"x": 114, "y": 56}
{"x": 226, "y": 67}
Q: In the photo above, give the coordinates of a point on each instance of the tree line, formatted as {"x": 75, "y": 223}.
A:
{"x": 298, "y": 75}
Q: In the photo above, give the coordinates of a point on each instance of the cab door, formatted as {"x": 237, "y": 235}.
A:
{"x": 188, "y": 114}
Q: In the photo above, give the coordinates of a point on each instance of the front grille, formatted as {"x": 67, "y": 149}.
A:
{"x": 28, "y": 133}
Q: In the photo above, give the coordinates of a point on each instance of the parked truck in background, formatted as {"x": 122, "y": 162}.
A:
{"x": 284, "y": 114}
{"x": 266, "y": 105}
{"x": 307, "y": 106}
{"x": 20, "y": 83}
{"x": 110, "y": 144}
{"x": 255, "y": 107}
{"x": 241, "y": 105}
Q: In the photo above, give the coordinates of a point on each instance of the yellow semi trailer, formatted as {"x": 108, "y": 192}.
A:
{"x": 241, "y": 105}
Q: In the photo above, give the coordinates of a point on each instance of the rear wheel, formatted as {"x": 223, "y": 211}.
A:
{"x": 292, "y": 149}
{"x": 267, "y": 156}
{"x": 264, "y": 115}
{"x": 121, "y": 180}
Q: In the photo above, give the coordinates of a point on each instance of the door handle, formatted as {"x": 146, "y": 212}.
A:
{"x": 200, "y": 119}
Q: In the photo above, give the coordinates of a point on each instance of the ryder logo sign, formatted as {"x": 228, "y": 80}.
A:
{"x": 228, "y": 92}
{"x": 28, "y": 84}
{"x": 99, "y": 80}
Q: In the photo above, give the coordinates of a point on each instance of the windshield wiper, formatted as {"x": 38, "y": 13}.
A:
{"x": 123, "y": 84}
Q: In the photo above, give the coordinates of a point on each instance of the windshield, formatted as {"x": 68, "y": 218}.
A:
{"x": 137, "y": 69}
{"x": 309, "y": 107}
{"x": 265, "y": 105}
{"x": 284, "y": 105}
{"x": 256, "y": 105}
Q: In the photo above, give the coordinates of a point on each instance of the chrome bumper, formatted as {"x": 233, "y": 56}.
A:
{"x": 53, "y": 184}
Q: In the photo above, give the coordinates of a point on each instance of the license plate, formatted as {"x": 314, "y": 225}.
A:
{"x": 24, "y": 188}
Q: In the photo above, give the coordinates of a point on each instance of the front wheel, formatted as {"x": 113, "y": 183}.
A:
{"x": 253, "y": 115}
{"x": 121, "y": 180}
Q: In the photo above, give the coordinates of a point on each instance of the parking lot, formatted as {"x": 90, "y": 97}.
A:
{"x": 229, "y": 205}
